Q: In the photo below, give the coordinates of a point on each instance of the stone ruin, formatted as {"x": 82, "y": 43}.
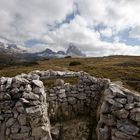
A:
{"x": 91, "y": 109}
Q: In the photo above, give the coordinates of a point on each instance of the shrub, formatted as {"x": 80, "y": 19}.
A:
{"x": 74, "y": 63}
{"x": 67, "y": 57}
{"x": 31, "y": 63}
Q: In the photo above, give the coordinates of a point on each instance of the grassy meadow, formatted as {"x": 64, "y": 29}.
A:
{"x": 116, "y": 68}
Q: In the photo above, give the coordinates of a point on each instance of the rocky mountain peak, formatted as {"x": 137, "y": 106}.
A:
{"x": 49, "y": 51}
{"x": 11, "y": 48}
{"x": 74, "y": 51}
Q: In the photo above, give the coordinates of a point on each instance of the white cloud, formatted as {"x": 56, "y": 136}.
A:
{"x": 119, "y": 14}
{"x": 107, "y": 32}
{"x": 29, "y": 19}
{"x": 47, "y": 39}
{"x": 23, "y": 20}
{"x": 78, "y": 32}
{"x": 135, "y": 32}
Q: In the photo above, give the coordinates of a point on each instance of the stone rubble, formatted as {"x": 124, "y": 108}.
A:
{"x": 94, "y": 108}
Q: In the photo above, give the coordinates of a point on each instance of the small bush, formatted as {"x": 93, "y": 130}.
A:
{"x": 74, "y": 63}
{"x": 67, "y": 57}
{"x": 32, "y": 63}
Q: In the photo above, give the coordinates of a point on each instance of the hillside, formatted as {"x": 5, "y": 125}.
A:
{"x": 116, "y": 68}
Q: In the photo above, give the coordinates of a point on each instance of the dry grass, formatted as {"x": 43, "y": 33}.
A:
{"x": 123, "y": 68}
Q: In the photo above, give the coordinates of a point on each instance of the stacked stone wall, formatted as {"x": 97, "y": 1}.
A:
{"x": 119, "y": 114}
{"x": 28, "y": 110}
{"x": 23, "y": 110}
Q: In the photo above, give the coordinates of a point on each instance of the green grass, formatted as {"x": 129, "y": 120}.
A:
{"x": 123, "y": 68}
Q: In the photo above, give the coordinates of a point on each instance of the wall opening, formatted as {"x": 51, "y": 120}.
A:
{"x": 72, "y": 107}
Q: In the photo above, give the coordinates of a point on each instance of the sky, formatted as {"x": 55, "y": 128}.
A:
{"x": 97, "y": 27}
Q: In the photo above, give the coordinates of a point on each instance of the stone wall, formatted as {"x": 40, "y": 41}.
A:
{"x": 119, "y": 117}
{"x": 23, "y": 110}
{"x": 91, "y": 109}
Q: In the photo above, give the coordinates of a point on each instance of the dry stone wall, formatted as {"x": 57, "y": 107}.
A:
{"x": 23, "y": 110}
{"x": 91, "y": 109}
{"x": 119, "y": 114}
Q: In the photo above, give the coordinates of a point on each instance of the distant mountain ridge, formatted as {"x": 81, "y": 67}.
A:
{"x": 72, "y": 51}
{"x": 11, "y": 48}
{"x": 20, "y": 54}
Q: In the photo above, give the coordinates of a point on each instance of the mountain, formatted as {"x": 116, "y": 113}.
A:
{"x": 61, "y": 53}
{"x": 74, "y": 51}
{"x": 13, "y": 53}
{"x": 46, "y": 53}
{"x": 71, "y": 51}
{"x": 11, "y": 48}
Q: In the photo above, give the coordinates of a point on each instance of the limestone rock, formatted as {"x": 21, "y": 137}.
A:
{"x": 28, "y": 88}
{"x": 135, "y": 114}
{"x": 129, "y": 106}
{"x": 30, "y": 96}
{"x": 108, "y": 119}
{"x": 15, "y": 128}
{"x": 38, "y": 83}
{"x": 55, "y": 132}
{"x": 117, "y": 91}
{"x": 9, "y": 82}
{"x": 19, "y": 136}
{"x": 127, "y": 127}
{"x": 35, "y": 77}
{"x": 122, "y": 136}
{"x": 25, "y": 129}
{"x": 105, "y": 108}
{"x": 130, "y": 98}
{"x": 121, "y": 100}
{"x": 10, "y": 122}
{"x": 22, "y": 119}
{"x": 114, "y": 103}
{"x": 121, "y": 113}
{"x": 34, "y": 110}
{"x": 103, "y": 133}
{"x": 3, "y": 80}
{"x": 4, "y": 96}
{"x": 71, "y": 100}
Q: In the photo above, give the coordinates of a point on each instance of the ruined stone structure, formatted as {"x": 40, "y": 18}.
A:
{"x": 91, "y": 109}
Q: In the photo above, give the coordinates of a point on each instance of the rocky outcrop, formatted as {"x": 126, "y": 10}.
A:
{"x": 91, "y": 109}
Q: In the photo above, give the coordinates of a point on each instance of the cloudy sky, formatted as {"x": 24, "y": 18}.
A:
{"x": 98, "y": 27}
